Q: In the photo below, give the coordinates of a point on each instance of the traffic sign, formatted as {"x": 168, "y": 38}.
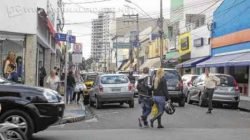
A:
{"x": 63, "y": 37}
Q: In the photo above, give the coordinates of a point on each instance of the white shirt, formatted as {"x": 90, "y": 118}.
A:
{"x": 211, "y": 81}
{"x": 53, "y": 83}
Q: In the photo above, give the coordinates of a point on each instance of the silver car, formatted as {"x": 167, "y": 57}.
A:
{"x": 227, "y": 92}
{"x": 112, "y": 88}
{"x": 187, "y": 82}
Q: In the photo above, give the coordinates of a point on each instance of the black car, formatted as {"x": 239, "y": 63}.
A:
{"x": 174, "y": 83}
{"x": 32, "y": 108}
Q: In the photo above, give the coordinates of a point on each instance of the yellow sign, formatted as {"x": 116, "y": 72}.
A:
{"x": 184, "y": 43}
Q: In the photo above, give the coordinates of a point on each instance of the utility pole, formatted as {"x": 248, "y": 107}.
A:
{"x": 161, "y": 33}
{"x": 66, "y": 63}
{"x": 137, "y": 38}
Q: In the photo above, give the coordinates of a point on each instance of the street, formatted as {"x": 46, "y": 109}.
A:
{"x": 190, "y": 122}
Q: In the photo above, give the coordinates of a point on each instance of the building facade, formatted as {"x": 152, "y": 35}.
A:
{"x": 231, "y": 43}
{"x": 102, "y": 29}
{"x": 27, "y": 29}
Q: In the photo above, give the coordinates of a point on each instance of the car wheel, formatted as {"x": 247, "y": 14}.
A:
{"x": 201, "y": 102}
{"x": 98, "y": 105}
{"x": 182, "y": 102}
{"x": 235, "y": 105}
{"x": 131, "y": 104}
{"x": 21, "y": 119}
{"x": 189, "y": 99}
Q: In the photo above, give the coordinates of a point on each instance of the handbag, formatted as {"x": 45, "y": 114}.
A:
{"x": 154, "y": 110}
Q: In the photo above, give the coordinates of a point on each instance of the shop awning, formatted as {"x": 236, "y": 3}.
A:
{"x": 192, "y": 62}
{"x": 243, "y": 60}
{"x": 151, "y": 63}
{"x": 219, "y": 61}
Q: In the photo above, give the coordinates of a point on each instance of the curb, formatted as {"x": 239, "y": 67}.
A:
{"x": 74, "y": 119}
{"x": 244, "y": 109}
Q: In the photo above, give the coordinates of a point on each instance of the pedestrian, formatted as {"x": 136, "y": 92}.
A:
{"x": 13, "y": 76}
{"x": 19, "y": 62}
{"x": 42, "y": 75}
{"x": 53, "y": 81}
{"x": 145, "y": 96}
{"x": 71, "y": 83}
{"x": 10, "y": 59}
{"x": 131, "y": 77}
{"x": 211, "y": 81}
{"x": 160, "y": 95}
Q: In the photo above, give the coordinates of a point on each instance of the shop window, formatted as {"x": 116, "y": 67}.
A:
{"x": 221, "y": 70}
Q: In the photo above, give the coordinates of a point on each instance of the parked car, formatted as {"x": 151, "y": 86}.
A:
{"x": 188, "y": 82}
{"x": 32, "y": 108}
{"x": 112, "y": 88}
{"x": 227, "y": 92}
{"x": 174, "y": 83}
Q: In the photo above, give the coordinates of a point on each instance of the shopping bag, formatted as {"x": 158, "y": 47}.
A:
{"x": 154, "y": 110}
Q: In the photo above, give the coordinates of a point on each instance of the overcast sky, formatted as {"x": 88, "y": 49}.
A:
{"x": 81, "y": 15}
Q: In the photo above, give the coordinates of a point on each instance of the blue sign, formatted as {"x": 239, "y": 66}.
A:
{"x": 63, "y": 37}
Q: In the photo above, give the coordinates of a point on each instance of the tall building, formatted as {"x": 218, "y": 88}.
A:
{"x": 101, "y": 39}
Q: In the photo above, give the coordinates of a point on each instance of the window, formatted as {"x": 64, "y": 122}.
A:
{"x": 120, "y": 79}
{"x": 185, "y": 43}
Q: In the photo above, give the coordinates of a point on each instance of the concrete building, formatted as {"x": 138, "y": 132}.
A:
{"x": 28, "y": 28}
{"x": 231, "y": 43}
{"x": 102, "y": 28}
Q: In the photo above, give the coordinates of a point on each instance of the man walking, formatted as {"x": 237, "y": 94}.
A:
{"x": 145, "y": 96}
{"x": 211, "y": 82}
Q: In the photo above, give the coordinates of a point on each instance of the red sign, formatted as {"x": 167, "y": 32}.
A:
{"x": 77, "y": 48}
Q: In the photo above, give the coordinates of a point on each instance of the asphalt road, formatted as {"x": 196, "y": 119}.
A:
{"x": 120, "y": 122}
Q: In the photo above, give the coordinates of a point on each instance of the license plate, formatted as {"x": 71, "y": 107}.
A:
{"x": 116, "y": 89}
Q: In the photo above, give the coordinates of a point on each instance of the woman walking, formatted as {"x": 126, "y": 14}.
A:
{"x": 53, "y": 81}
{"x": 71, "y": 83}
{"x": 159, "y": 97}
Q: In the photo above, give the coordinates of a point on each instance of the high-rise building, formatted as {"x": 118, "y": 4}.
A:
{"x": 101, "y": 38}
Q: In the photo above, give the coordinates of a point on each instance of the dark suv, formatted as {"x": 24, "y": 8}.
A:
{"x": 175, "y": 85}
{"x": 32, "y": 108}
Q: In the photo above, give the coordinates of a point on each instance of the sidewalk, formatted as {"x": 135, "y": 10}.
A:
{"x": 244, "y": 103}
{"x": 73, "y": 113}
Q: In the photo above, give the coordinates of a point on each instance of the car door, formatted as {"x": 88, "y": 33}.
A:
{"x": 195, "y": 89}
{"x": 200, "y": 86}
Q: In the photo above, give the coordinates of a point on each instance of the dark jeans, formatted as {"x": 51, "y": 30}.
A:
{"x": 160, "y": 103}
{"x": 78, "y": 94}
{"x": 69, "y": 94}
{"x": 146, "y": 104}
{"x": 209, "y": 92}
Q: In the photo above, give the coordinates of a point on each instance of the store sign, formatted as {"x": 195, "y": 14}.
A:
{"x": 77, "y": 48}
{"x": 199, "y": 42}
{"x": 185, "y": 43}
{"x": 63, "y": 37}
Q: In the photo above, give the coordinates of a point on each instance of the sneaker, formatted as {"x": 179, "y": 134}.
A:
{"x": 160, "y": 126}
{"x": 209, "y": 112}
{"x": 139, "y": 120}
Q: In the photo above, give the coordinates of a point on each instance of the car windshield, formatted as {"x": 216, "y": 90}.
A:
{"x": 114, "y": 79}
{"x": 226, "y": 80}
{"x": 172, "y": 75}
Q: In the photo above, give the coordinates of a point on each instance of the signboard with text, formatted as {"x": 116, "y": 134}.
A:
{"x": 77, "y": 53}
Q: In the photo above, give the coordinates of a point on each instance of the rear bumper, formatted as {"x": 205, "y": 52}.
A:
{"x": 226, "y": 99}
{"x": 116, "y": 97}
{"x": 176, "y": 95}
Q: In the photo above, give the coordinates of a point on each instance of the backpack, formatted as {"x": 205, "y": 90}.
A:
{"x": 142, "y": 86}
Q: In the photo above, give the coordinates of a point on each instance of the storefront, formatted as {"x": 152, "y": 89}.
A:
{"x": 10, "y": 42}
{"x": 201, "y": 50}
{"x": 230, "y": 44}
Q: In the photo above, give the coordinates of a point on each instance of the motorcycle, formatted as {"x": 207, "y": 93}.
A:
{"x": 9, "y": 131}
